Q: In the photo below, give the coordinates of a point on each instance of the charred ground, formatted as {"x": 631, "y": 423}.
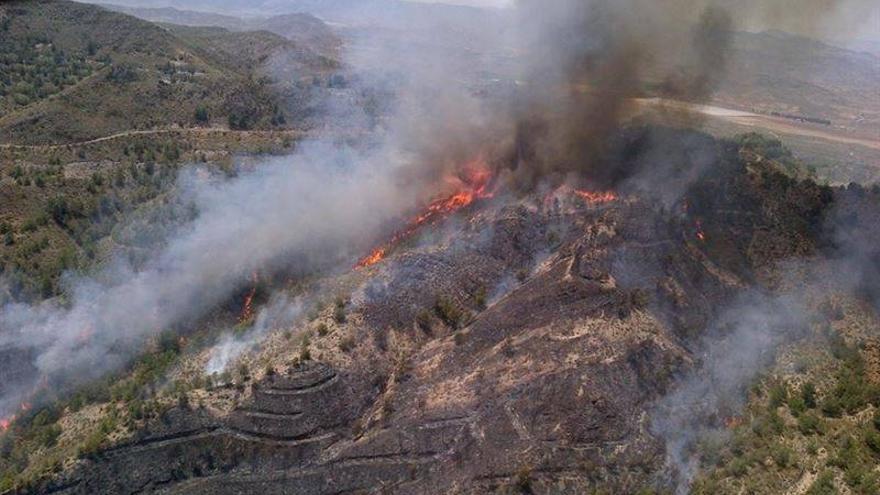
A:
{"x": 517, "y": 347}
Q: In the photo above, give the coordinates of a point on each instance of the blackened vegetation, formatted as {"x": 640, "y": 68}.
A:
{"x": 555, "y": 369}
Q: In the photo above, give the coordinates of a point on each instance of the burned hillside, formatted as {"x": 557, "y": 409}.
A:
{"x": 541, "y": 326}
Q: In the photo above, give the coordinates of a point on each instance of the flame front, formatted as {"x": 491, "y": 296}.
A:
{"x": 247, "y": 311}
{"x": 596, "y": 197}
{"x": 473, "y": 185}
{"x": 591, "y": 198}
{"x": 6, "y": 423}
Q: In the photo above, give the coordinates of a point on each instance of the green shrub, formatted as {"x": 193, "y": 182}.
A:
{"x": 872, "y": 440}
{"x": 781, "y": 455}
{"x": 423, "y": 320}
{"x": 201, "y": 114}
{"x": 832, "y": 406}
{"x": 449, "y": 313}
{"x": 48, "y": 435}
{"x": 122, "y": 74}
{"x": 339, "y": 315}
{"x": 809, "y": 423}
{"x": 346, "y": 344}
{"x": 778, "y": 395}
{"x": 323, "y": 329}
{"x": 861, "y": 480}
{"x": 849, "y": 454}
{"x": 824, "y": 485}
{"x": 523, "y": 480}
{"x": 304, "y": 353}
{"x": 738, "y": 467}
{"x": 808, "y": 393}
{"x": 796, "y": 405}
{"x": 480, "y": 298}
{"x": 852, "y": 392}
{"x": 243, "y": 371}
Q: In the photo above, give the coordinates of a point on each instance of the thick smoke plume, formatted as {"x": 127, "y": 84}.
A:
{"x": 585, "y": 61}
{"x": 318, "y": 207}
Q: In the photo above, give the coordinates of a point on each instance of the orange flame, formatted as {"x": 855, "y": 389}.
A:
{"x": 591, "y": 198}
{"x": 597, "y": 197}
{"x": 732, "y": 422}
{"x": 700, "y": 234}
{"x": 475, "y": 185}
{"x": 6, "y": 423}
{"x": 247, "y": 311}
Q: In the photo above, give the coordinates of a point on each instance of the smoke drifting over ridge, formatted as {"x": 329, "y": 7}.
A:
{"x": 314, "y": 207}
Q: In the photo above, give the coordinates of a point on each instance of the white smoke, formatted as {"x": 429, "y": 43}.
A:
{"x": 737, "y": 347}
{"x": 320, "y": 206}
{"x": 281, "y": 312}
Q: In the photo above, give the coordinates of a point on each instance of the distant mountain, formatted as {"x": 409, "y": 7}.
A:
{"x": 355, "y": 11}
{"x": 304, "y": 29}
{"x": 173, "y": 15}
{"x": 82, "y": 71}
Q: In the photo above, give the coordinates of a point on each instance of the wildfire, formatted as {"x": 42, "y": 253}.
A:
{"x": 596, "y": 197}
{"x": 732, "y": 422}
{"x": 701, "y": 235}
{"x": 473, "y": 184}
{"x": 591, "y": 198}
{"x": 247, "y": 311}
{"x": 6, "y": 423}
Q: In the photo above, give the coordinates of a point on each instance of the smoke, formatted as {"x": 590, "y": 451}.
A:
{"x": 741, "y": 343}
{"x": 281, "y": 312}
{"x": 744, "y": 339}
{"x": 585, "y": 61}
{"x": 316, "y": 208}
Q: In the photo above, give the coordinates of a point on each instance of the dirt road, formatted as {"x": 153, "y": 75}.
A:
{"x": 150, "y": 132}
{"x": 758, "y": 121}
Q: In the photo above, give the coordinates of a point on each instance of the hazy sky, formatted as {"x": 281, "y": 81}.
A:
{"x": 477, "y": 3}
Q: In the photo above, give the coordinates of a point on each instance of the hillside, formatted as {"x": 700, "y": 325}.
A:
{"x": 550, "y": 341}
{"x": 303, "y": 29}
{"x": 91, "y": 72}
{"x": 351, "y": 247}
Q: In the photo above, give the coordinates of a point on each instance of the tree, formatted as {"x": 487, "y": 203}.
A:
{"x": 201, "y": 114}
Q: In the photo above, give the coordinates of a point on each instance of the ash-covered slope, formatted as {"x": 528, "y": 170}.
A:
{"x": 518, "y": 347}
